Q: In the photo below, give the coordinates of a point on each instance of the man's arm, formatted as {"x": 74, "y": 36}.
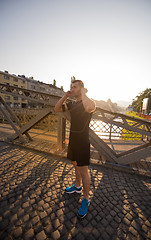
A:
{"x": 88, "y": 104}
{"x": 58, "y": 107}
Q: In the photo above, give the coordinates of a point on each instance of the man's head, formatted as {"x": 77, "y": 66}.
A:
{"x": 76, "y": 88}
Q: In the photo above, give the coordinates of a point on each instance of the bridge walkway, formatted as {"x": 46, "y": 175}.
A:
{"x": 33, "y": 204}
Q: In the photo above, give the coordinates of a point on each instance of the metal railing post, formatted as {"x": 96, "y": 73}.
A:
{"x": 61, "y": 133}
{"x": 110, "y": 132}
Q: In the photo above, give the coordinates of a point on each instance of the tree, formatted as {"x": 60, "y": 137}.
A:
{"x": 54, "y": 82}
{"x": 73, "y": 78}
{"x": 138, "y": 101}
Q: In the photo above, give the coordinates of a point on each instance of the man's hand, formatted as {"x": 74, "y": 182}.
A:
{"x": 88, "y": 104}
{"x": 84, "y": 90}
{"x": 58, "y": 107}
{"x": 68, "y": 94}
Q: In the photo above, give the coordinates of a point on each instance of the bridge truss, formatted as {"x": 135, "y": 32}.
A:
{"x": 111, "y": 119}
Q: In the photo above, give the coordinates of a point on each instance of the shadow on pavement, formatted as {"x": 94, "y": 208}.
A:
{"x": 33, "y": 204}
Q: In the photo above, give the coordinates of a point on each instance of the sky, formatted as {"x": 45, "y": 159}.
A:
{"x": 105, "y": 43}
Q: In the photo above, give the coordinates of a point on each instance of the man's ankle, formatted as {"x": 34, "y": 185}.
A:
{"x": 87, "y": 198}
{"x": 77, "y": 185}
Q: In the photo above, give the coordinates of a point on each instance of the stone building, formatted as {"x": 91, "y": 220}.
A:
{"x": 16, "y": 81}
{"x": 22, "y": 81}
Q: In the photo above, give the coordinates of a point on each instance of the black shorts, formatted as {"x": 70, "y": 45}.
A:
{"x": 79, "y": 153}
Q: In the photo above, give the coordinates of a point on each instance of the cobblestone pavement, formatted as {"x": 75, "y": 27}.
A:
{"x": 33, "y": 204}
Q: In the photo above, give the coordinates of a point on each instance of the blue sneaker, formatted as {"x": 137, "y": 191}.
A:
{"x": 84, "y": 208}
{"x": 73, "y": 189}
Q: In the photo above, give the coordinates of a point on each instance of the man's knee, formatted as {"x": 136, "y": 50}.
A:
{"x": 83, "y": 170}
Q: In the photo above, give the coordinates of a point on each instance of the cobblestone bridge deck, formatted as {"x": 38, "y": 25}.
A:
{"x": 33, "y": 204}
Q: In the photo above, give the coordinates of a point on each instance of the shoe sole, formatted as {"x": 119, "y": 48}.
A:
{"x": 74, "y": 192}
{"x": 81, "y": 217}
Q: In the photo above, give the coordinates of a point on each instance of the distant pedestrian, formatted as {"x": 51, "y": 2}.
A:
{"x": 79, "y": 145}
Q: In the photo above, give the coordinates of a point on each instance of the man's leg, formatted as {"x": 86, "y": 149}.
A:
{"x": 77, "y": 186}
{"x": 84, "y": 172}
{"x": 78, "y": 175}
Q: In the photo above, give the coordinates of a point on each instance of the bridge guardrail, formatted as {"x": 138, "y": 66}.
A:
{"x": 111, "y": 125}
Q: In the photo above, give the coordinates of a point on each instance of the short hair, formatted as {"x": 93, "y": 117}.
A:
{"x": 79, "y": 82}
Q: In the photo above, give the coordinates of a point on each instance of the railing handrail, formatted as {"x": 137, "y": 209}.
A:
{"x": 123, "y": 116}
{"x": 56, "y": 98}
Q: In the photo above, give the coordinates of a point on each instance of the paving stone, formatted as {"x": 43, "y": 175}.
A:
{"x": 56, "y": 223}
{"x": 41, "y": 236}
{"x": 104, "y": 222}
{"x": 148, "y": 235}
{"x": 55, "y": 234}
{"x": 38, "y": 228}
{"x": 109, "y": 218}
{"x": 94, "y": 212}
{"x": 52, "y": 216}
{"x": 17, "y": 232}
{"x": 70, "y": 215}
{"x": 81, "y": 236}
{"x": 133, "y": 231}
{"x": 46, "y": 221}
{"x": 68, "y": 224}
{"x": 114, "y": 224}
{"x": 84, "y": 221}
{"x": 29, "y": 234}
{"x": 98, "y": 218}
{"x": 33, "y": 214}
{"x": 42, "y": 215}
{"x": 126, "y": 221}
{"x": 90, "y": 237}
{"x": 96, "y": 233}
{"x": 3, "y": 235}
{"x": 13, "y": 218}
{"x": 46, "y": 206}
{"x": 41, "y": 203}
{"x": 105, "y": 236}
{"x": 32, "y": 201}
{"x": 35, "y": 220}
{"x": 129, "y": 216}
{"x": 7, "y": 214}
{"x": 89, "y": 216}
{"x": 48, "y": 229}
{"x": 62, "y": 230}
{"x": 93, "y": 222}
{"x": 25, "y": 218}
{"x": 11, "y": 227}
{"x": 16, "y": 208}
{"x": 25, "y": 205}
{"x": 4, "y": 204}
{"x": 61, "y": 219}
{"x": 145, "y": 229}
{"x": 109, "y": 230}
{"x": 59, "y": 212}
{"x": 148, "y": 223}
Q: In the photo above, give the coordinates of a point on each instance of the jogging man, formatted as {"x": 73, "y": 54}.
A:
{"x": 79, "y": 145}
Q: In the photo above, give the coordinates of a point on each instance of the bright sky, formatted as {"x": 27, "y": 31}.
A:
{"x": 105, "y": 43}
